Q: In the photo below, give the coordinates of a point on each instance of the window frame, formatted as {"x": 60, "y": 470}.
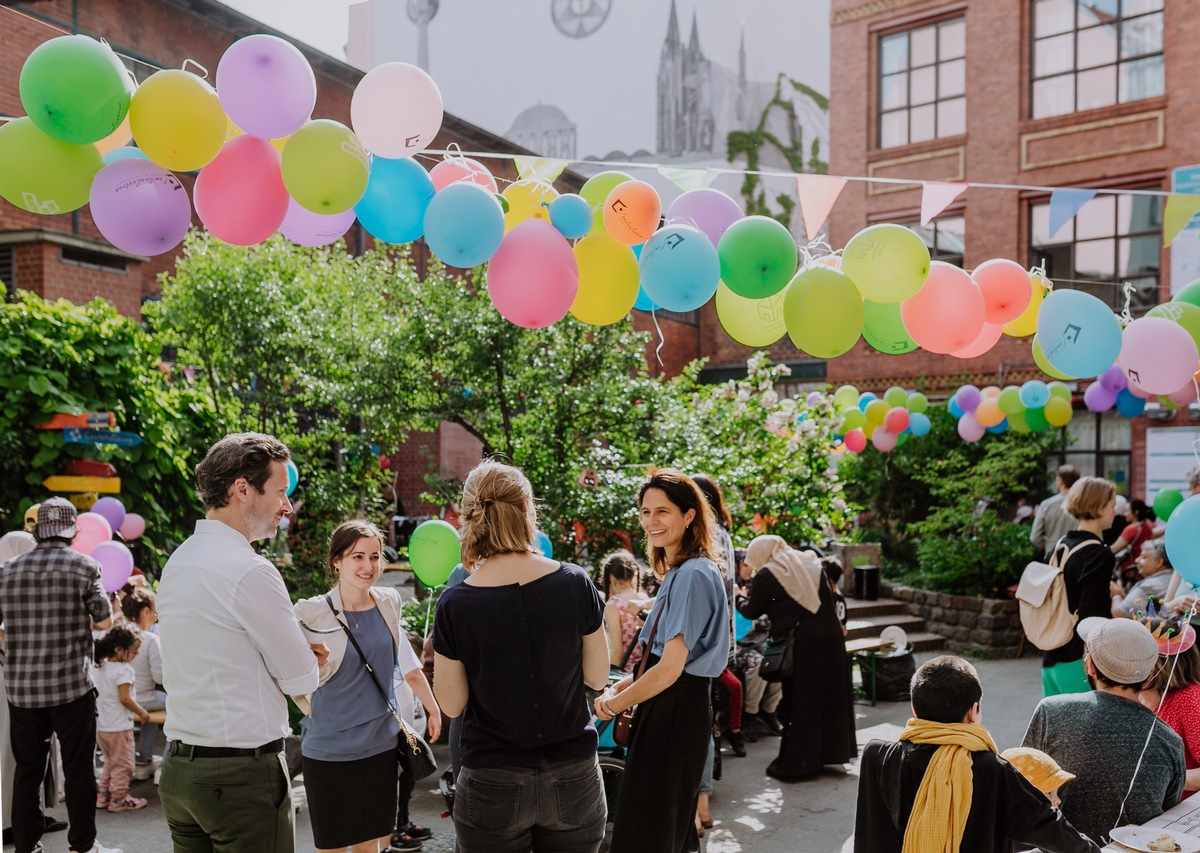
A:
{"x": 956, "y": 16}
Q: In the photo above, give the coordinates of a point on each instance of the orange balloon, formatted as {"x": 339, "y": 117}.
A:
{"x": 117, "y": 138}
{"x": 1005, "y": 288}
{"x": 946, "y": 315}
{"x": 631, "y": 212}
{"x": 989, "y": 413}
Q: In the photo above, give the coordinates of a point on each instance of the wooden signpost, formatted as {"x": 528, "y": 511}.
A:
{"x": 64, "y": 483}
{"x": 99, "y": 436}
{"x": 90, "y": 468}
{"x": 87, "y": 420}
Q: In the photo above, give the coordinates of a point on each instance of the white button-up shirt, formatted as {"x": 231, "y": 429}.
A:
{"x": 231, "y": 645}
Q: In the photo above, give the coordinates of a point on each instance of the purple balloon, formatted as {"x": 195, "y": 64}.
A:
{"x": 1114, "y": 380}
{"x": 116, "y": 564}
{"x": 1099, "y": 398}
{"x": 968, "y": 398}
{"x": 814, "y": 397}
{"x": 140, "y": 207}
{"x": 306, "y": 228}
{"x": 266, "y": 86}
{"x": 112, "y": 509}
{"x": 707, "y": 209}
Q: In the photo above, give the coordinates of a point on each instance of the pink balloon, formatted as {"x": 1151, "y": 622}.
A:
{"x": 455, "y": 169}
{"x": 1005, "y": 288}
{"x": 91, "y": 529}
{"x": 1185, "y": 395}
{"x": 116, "y": 564}
{"x": 896, "y": 421}
{"x": 884, "y": 440}
{"x": 240, "y": 196}
{"x": 140, "y": 207}
{"x": 305, "y": 228}
{"x": 707, "y": 209}
{"x": 396, "y": 110}
{"x": 132, "y": 527}
{"x": 533, "y": 278}
{"x": 1138, "y": 391}
{"x": 969, "y": 429}
{"x": 947, "y": 313}
{"x": 266, "y": 86}
{"x": 855, "y": 441}
{"x": 1158, "y": 354}
{"x": 987, "y": 338}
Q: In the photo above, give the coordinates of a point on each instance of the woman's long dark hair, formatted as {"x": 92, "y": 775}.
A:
{"x": 683, "y": 492}
{"x": 716, "y": 500}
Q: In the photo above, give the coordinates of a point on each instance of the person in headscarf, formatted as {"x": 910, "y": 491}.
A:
{"x": 816, "y": 710}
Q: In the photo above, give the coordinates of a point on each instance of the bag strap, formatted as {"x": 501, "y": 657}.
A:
{"x": 649, "y": 644}
{"x": 363, "y": 658}
{"x": 1062, "y": 562}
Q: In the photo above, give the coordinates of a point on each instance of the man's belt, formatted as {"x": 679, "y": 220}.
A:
{"x": 187, "y": 750}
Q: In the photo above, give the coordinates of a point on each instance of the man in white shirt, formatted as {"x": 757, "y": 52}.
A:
{"x": 231, "y": 650}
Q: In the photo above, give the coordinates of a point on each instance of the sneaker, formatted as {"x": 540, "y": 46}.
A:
{"x": 102, "y": 801}
{"x": 402, "y": 843}
{"x": 142, "y": 772}
{"x": 129, "y": 804}
{"x": 419, "y": 833}
{"x": 100, "y": 848}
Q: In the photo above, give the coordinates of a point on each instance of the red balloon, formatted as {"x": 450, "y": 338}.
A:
{"x": 855, "y": 441}
{"x": 240, "y": 196}
{"x": 1005, "y": 288}
{"x": 896, "y": 420}
{"x": 533, "y": 277}
{"x": 987, "y": 338}
{"x": 947, "y": 313}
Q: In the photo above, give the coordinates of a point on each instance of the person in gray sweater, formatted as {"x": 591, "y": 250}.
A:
{"x": 1052, "y": 522}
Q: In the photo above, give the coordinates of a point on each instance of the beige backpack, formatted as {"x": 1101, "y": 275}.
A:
{"x": 1042, "y": 594}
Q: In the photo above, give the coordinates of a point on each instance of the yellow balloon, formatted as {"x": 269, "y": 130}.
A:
{"x": 177, "y": 120}
{"x": 528, "y": 200}
{"x": 608, "y": 280}
{"x": 751, "y": 322}
{"x": 1026, "y": 324}
{"x": 1039, "y": 358}
{"x": 1057, "y": 412}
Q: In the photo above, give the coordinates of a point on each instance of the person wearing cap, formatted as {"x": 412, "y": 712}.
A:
{"x": 231, "y": 650}
{"x": 1128, "y": 764}
{"x": 1040, "y": 770}
{"x": 1173, "y": 691}
{"x": 942, "y": 786}
{"x": 31, "y": 518}
{"x": 51, "y": 600}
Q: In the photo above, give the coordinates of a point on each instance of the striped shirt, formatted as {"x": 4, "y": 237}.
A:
{"x": 48, "y": 600}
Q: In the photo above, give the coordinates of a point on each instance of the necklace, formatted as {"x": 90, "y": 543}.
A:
{"x": 356, "y": 617}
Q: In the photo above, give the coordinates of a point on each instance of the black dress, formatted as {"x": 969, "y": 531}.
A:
{"x": 817, "y": 707}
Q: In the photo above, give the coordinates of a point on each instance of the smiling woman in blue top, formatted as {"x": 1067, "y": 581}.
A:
{"x": 690, "y": 621}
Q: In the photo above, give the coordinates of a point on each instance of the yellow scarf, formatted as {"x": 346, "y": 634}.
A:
{"x": 943, "y": 801}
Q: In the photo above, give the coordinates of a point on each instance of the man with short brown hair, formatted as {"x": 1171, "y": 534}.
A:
{"x": 1052, "y": 522}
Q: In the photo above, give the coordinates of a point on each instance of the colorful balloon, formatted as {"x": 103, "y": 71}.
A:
{"x": 240, "y": 196}
{"x": 631, "y": 212}
{"x": 1039, "y": 358}
{"x": 712, "y": 211}
{"x": 112, "y": 509}
{"x": 326, "y": 170}
{"x": 140, "y": 207}
{"x": 596, "y": 189}
{"x": 1183, "y": 313}
{"x": 454, "y": 169}
{"x": 1183, "y": 540}
{"x": 75, "y": 89}
{"x": 608, "y": 279}
{"x": 116, "y": 564}
{"x": 305, "y": 228}
{"x": 396, "y": 110}
{"x": 969, "y": 429}
{"x": 528, "y": 200}
{"x": 947, "y": 314}
{"x": 266, "y": 86}
{"x": 132, "y": 527}
{"x": 917, "y": 403}
{"x": 679, "y": 268}
{"x": 751, "y": 322}
{"x": 53, "y": 176}
{"x": 177, "y": 120}
{"x": 758, "y": 257}
{"x": 823, "y": 311}
{"x": 1166, "y": 502}
{"x": 1026, "y": 324}
{"x": 1057, "y": 411}
{"x": 1079, "y": 335}
{"x": 889, "y": 263}
{"x": 1005, "y": 288}
{"x": 1097, "y": 398}
{"x": 433, "y": 551}
{"x": 883, "y": 328}
{"x": 1034, "y": 394}
{"x": 533, "y": 277}
{"x": 463, "y": 224}
{"x": 90, "y": 530}
{"x": 1189, "y": 293}
{"x": 1158, "y": 354}
{"x": 293, "y": 475}
{"x": 571, "y": 215}
{"x": 919, "y": 424}
{"x": 1128, "y": 405}
{"x": 855, "y": 441}
{"x": 987, "y": 338}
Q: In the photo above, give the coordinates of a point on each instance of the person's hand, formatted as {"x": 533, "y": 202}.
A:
{"x": 321, "y": 651}
{"x": 600, "y": 703}
{"x": 144, "y": 716}
{"x": 1184, "y": 603}
{"x": 1115, "y": 589}
{"x": 739, "y": 591}
{"x": 635, "y": 605}
{"x": 433, "y": 724}
{"x": 620, "y": 685}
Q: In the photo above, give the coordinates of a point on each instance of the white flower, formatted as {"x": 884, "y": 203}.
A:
{"x": 770, "y": 399}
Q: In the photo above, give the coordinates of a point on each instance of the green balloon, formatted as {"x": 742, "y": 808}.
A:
{"x": 888, "y": 262}
{"x": 433, "y": 551}
{"x": 1165, "y": 503}
{"x": 1189, "y": 294}
{"x": 1010, "y": 400}
{"x": 1168, "y": 403}
{"x": 823, "y": 312}
{"x": 1018, "y": 424}
{"x": 751, "y": 322}
{"x": 884, "y": 329}
{"x": 845, "y": 397}
{"x": 1185, "y": 314}
{"x": 1060, "y": 390}
{"x": 1039, "y": 358}
{"x": 75, "y": 89}
{"x": 325, "y": 167}
{"x": 596, "y": 189}
{"x": 758, "y": 257}
{"x": 917, "y": 402}
{"x": 1035, "y": 419}
{"x": 853, "y": 419}
{"x": 42, "y": 174}
{"x": 896, "y": 397}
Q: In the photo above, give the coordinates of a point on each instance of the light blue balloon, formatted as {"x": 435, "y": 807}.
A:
{"x": 644, "y": 302}
{"x": 544, "y": 544}
{"x": 1129, "y": 405}
{"x": 1035, "y": 394}
{"x": 571, "y": 215}
{"x": 953, "y": 406}
{"x": 1183, "y": 540}
{"x": 393, "y": 207}
{"x": 919, "y": 424}
{"x": 293, "y": 474}
{"x": 679, "y": 268}
{"x": 125, "y": 152}
{"x": 741, "y": 626}
{"x": 864, "y": 398}
{"x": 464, "y": 225}
{"x": 1079, "y": 334}
{"x": 999, "y": 429}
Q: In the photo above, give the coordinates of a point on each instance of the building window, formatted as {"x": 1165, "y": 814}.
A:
{"x": 1113, "y": 239}
{"x": 945, "y": 237}
{"x": 923, "y": 83}
{"x": 8, "y": 271}
{"x": 1092, "y": 53}
{"x": 1099, "y": 445}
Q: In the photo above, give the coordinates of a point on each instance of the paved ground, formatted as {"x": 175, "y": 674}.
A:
{"x": 752, "y": 811}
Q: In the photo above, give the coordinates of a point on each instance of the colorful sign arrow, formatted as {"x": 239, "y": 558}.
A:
{"x": 103, "y": 485}
{"x": 87, "y": 420}
{"x": 99, "y": 436}
{"x": 90, "y": 468}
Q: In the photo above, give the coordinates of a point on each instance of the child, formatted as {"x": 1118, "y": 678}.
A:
{"x": 1039, "y": 769}
{"x": 114, "y": 726}
{"x": 832, "y": 567}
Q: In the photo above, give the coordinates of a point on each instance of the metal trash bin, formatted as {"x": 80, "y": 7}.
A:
{"x": 866, "y": 583}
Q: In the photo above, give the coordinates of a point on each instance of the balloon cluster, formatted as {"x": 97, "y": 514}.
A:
{"x": 1182, "y": 539}
{"x": 1032, "y": 407}
{"x": 886, "y": 421}
{"x": 94, "y": 537}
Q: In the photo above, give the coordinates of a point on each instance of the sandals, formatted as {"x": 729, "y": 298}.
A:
{"x": 128, "y": 804}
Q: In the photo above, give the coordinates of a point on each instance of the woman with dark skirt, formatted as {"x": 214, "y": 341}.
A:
{"x": 817, "y": 708}
{"x": 656, "y": 807}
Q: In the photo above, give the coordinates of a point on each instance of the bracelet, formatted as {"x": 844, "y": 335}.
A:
{"x": 606, "y": 708}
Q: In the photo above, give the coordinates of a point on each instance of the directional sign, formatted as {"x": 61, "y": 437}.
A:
{"x": 83, "y": 501}
{"x": 99, "y": 436}
{"x": 88, "y": 420}
{"x": 90, "y": 468}
{"x": 103, "y": 485}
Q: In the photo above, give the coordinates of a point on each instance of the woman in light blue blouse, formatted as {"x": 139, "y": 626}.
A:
{"x": 656, "y": 809}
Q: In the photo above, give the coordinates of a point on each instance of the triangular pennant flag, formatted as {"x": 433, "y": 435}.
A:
{"x": 936, "y": 197}
{"x": 817, "y": 196}
{"x": 539, "y": 168}
{"x": 687, "y": 177}
{"x": 1179, "y": 212}
{"x": 1064, "y": 204}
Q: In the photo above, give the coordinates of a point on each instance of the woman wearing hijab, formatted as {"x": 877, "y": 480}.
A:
{"x": 817, "y": 706}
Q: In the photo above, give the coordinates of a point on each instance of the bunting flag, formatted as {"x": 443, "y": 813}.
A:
{"x": 687, "y": 177}
{"x": 936, "y": 196}
{"x": 818, "y": 193}
{"x": 1179, "y": 212}
{"x": 539, "y": 168}
{"x": 1064, "y": 204}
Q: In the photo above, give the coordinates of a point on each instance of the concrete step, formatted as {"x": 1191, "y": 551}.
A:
{"x": 924, "y": 641}
{"x": 859, "y": 609}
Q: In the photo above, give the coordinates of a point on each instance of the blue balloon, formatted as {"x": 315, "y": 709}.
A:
{"x": 679, "y": 268}
{"x": 741, "y": 626}
{"x": 919, "y": 423}
{"x": 544, "y": 545}
{"x": 864, "y": 398}
{"x": 644, "y": 302}
{"x": 1079, "y": 334}
{"x": 1183, "y": 540}
{"x": 464, "y": 225}
{"x": 571, "y": 215}
{"x": 125, "y": 152}
{"x": 952, "y": 405}
{"x": 293, "y": 477}
{"x": 1034, "y": 394}
{"x": 393, "y": 207}
{"x": 1129, "y": 405}
{"x": 999, "y": 428}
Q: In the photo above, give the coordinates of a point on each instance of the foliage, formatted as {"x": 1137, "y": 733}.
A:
{"x": 56, "y": 357}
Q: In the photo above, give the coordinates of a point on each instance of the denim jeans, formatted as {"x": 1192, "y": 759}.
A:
{"x": 149, "y": 731}
{"x": 559, "y": 807}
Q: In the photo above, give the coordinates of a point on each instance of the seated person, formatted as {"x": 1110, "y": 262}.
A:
{"x": 1101, "y": 735}
{"x": 1155, "y": 569}
{"x": 904, "y": 803}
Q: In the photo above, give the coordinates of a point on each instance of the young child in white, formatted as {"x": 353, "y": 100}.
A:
{"x": 114, "y": 724}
